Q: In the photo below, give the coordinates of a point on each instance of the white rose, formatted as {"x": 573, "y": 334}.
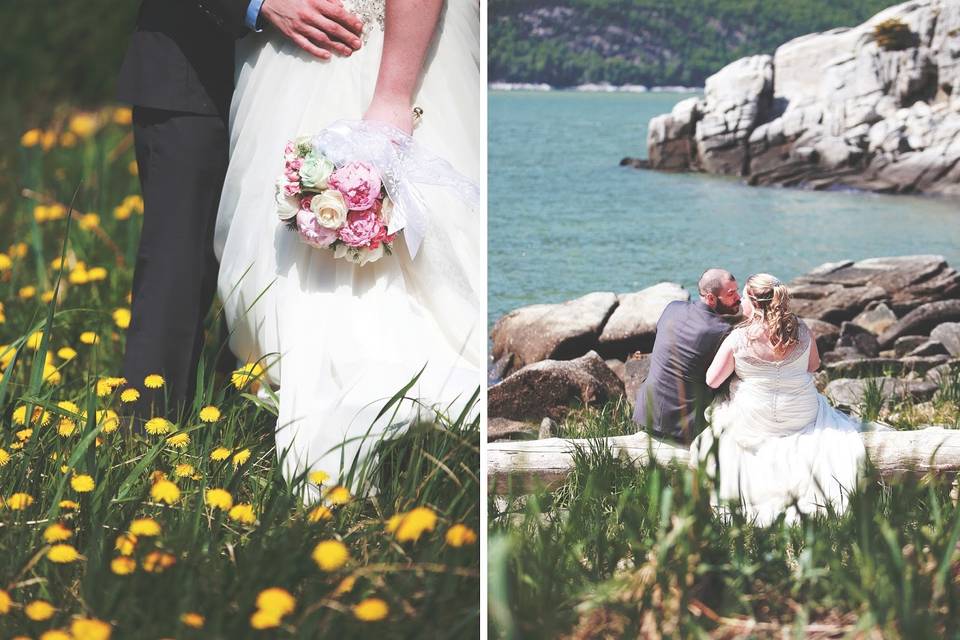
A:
{"x": 386, "y": 211}
{"x": 315, "y": 171}
{"x": 330, "y": 209}
{"x": 287, "y": 207}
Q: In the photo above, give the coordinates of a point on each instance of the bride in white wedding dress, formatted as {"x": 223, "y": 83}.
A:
{"x": 340, "y": 339}
{"x": 781, "y": 447}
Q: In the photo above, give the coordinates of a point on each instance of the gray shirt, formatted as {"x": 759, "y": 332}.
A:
{"x": 672, "y": 400}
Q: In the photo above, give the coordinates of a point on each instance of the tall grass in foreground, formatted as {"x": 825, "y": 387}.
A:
{"x": 189, "y": 530}
{"x": 624, "y": 552}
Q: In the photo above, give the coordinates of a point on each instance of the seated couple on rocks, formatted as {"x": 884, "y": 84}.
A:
{"x": 780, "y": 446}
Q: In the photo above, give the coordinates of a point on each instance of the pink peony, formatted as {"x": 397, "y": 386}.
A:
{"x": 291, "y": 189}
{"x": 359, "y": 183}
{"x": 313, "y": 232}
{"x": 361, "y": 229}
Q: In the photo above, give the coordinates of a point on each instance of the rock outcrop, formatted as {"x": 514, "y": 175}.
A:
{"x": 875, "y": 107}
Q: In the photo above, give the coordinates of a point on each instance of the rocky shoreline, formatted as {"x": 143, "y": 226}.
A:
{"x": 875, "y": 108}
{"x": 887, "y": 324}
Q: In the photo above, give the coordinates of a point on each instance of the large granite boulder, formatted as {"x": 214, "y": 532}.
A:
{"x": 824, "y": 333}
{"x": 922, "y": 320}
{"x": 550, "y": 388}
{"x": 840, "y": 108}
{"x": 851, "y": 392}
{"x": 550, "y": 331}
{"x": 633, "y": 324}
{"x": 948, "y": 334}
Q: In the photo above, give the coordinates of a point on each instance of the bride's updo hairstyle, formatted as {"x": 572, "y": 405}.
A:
{"x": 771, "y": 310}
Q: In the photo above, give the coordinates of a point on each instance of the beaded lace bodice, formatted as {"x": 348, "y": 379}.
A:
{"x": 371, "y": 12}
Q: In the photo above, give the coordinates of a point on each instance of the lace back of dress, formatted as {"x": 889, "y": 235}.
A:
{"x": 747, "y": 351}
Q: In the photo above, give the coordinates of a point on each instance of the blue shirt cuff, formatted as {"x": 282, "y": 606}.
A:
{"x": 253, "y": 14}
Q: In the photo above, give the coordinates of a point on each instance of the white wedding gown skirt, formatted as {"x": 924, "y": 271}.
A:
{"x": 341, "y": 339}
{"x": 781, "y": 447}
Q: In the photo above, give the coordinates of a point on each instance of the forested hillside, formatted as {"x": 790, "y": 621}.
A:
{"x": 651, "y": 42}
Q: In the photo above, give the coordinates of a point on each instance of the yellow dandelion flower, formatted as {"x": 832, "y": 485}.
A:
{"x": 121, "y": 213}
{"x": 39, "y": 610}
{"x": 192, "y": 619}
{"x": 24, "y": 434}
{"x": 371, "y": 610}
{"x": 89, "y": 221}
{"x": 33, "y": 341}
{"x": 264, "y": 620}
{"x": 66, "y": 353}
{"x": 82, "y": 483}
{"x": 165, "y": 491}
{"x": 220, "y": 454}
{"x": 135, "y": 202}
{"x": 89, "y": 337}
{"x": 460, "y": 535}
{"x": 90, "y": 629}
{"x": 41, "y": 213}
{"x": 96, "y": 274}
{"x": 5, "y": 602}
{"x": 158, "y": 561}
{"x": 16, "y": 446}
{"x": 78, "y": 275}
{"x": 56, "y": 263}
{"x": 157, "y": 426}
{"x": 243, "y": 513}
{"x": 318, "y": 477}
{"x": 30, "y": 138}
{"x": 276, "y": 600}
{"x": 83, "y": 125}
{"x": 125, "y": 543}
{"x": 319, "y": 513}
{"x": 56, "y": 532}
{"x": 70, "y": 505}
{"x": 346, "y": 586}
{"x": 56, "y": 211}
{"x": 18, "y": 250}
{"x": 219, "y": 499}
{"x": 55, "y": 634}
{"x": 153, "y": 381}
{"x": 240, "y": 457}
{"x": 63, "y": 554}
{"x": 184, "y": 470}
{"x": 4, "y": 457}
{"x": 106, "y": 386}
{"x": 414, "y": 523}
{"x": 68, "y": 139}
{"x": 66, "y": 405}
{"x": 338, "y": 495}
{"x": 330, "y": 555}
{"x": 108, "y": 420}
{"x": 66, "y": 427}
{"x": 147, "y": 527}
{"x": 46, "y": 296}
{"x": 129, "y": 395}
{"x": 51, "y": 374}
{"x": 27, "y": 292}
{"x": 246, "y": 374}
{"x": 39, "y": 415}
{"x": 179, "y": 441}
{"x": 209, "y": 414}
{"x": 123, "y": 565}
{"x": 5, "y": 262}
{"x": 121, "y": 317}
{"x": 123, "y": 115}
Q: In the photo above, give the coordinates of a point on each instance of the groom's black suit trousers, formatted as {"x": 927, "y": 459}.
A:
{"x": 178, "y": 74}
{"x": 182, "y": 158}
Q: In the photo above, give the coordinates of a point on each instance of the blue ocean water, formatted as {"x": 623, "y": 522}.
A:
{"x": 566, "y": 220}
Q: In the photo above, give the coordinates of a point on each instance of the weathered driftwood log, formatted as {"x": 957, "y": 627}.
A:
{"x": 522, "y": 465}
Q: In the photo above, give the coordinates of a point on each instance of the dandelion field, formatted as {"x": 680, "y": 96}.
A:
{"x": 188, "y": 530}
{"x": 624, "y": 552}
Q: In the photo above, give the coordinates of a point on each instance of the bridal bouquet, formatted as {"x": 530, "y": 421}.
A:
{"x": 352, "y": 188}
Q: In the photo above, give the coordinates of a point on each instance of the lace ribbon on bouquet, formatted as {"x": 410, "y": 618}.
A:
{"x": 403, "y": 164}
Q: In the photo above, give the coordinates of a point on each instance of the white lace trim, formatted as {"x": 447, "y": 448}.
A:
{"x": 800, "y": 349}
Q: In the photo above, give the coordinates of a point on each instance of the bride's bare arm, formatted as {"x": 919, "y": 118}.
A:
{"x": 723, "y": 364}
{"x": 814, "y": 362}
{"x": 408, "y": 32}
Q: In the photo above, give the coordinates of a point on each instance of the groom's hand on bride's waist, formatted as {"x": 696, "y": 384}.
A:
{"x": 319, "y": 27}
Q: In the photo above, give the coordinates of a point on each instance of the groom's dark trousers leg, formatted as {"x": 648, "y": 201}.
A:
{"x": 182, "y": 160}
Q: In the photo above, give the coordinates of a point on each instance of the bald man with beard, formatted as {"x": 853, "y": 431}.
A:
{"x": 671, "y": 402}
